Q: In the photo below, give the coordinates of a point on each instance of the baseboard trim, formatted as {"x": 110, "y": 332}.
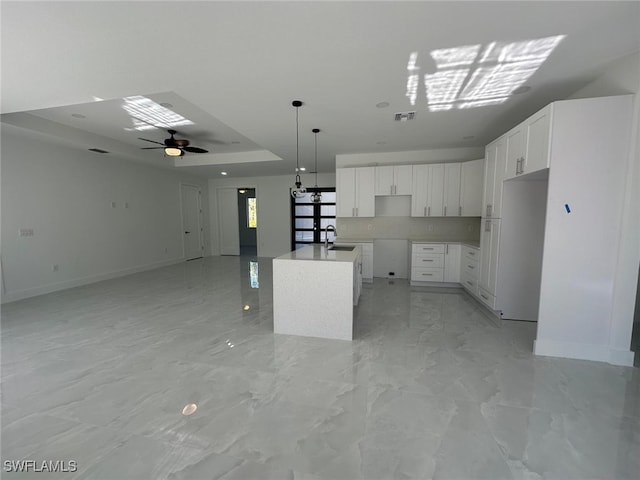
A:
{"x": 582, "y": 351}
{"x": 8, "y": 297}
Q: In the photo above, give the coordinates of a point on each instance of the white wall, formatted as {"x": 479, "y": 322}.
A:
{"x": 623, "y": 77}
{"x": 274, "y": 209}
{"x": 65, "y": 196}
{"x": 441, "y": 155}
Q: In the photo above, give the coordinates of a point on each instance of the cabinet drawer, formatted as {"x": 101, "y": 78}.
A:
{"x": 486, "y": 298}
{"x": 427, "y": 248}
{"x": 427, "y": 274}
{"x": 469, "y": 282}
{"x": 470, "y": 253}
{"x": 470, "y": 267}
{"x": 430, "y": 260}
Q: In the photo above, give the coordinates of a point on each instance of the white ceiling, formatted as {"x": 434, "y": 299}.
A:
{"x": 233, "y": 68}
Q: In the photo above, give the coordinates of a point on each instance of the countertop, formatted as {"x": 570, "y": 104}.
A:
{"x": 469, "y": 243}
{"x": 318, "y": 253}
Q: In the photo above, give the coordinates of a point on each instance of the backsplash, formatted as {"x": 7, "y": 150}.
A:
{"x": 452, "y": 229}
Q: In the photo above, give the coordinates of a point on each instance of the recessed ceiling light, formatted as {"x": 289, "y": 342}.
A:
{"x": 223, "y": 173}
{"x": 382, "y": 104}
{"x": 303, "y": 169}
{"x": 469, "y": 137}
{"x": 78, "y": 115}
{"x": 235, "y": 142}
{"x": 381, "y": 143}
{"x": 189, "y": 409}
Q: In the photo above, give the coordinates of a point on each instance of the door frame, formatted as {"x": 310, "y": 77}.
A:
{"x": 199, "y": 217}
{"x": 237, "y": 186}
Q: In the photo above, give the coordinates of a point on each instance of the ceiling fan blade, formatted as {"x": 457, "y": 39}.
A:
{"x": 151, "y": 148}
{"x": 152, "y": 141}
{"x": 196, "y": 150}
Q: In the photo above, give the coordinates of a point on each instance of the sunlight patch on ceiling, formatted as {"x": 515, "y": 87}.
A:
{"x": 471, "y": 76}
{"x": 146, "y": 114}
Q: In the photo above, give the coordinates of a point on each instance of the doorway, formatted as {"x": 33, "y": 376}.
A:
{"x": 247, "y": 221}
{"x": 192, "y": 241}
{"x": 309, "y": 219}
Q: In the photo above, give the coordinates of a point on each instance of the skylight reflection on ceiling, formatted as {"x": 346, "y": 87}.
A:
{"x": 471, "y": 76}
{"x": 147, "y": 114}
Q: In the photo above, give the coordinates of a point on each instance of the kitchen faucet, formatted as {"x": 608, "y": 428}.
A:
{"x": 326, "y": 235}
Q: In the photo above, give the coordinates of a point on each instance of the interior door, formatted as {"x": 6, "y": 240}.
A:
{"x": 191, "y": 222}
{"x": 228, "y": 221}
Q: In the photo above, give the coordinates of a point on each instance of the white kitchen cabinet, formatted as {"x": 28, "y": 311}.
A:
{"x": 419, "y": 190}
{"x": 452, "y": 257}
{"x": 538, "y": 140}
{"x": 451, "y": 194}
{"x": 515, "y": 139}
{"x": 493, "y": 177}
{"x": 366, "y": 249}
{"x": 435, "y": 262}
{"x": 471, "y": 185}
{"x": 489, "y": 252}
{"x": 355, "y": 192}
{"x": 427, "y": 196}
{"x": 469, "y": 267}
{"x": 393, "y": 180}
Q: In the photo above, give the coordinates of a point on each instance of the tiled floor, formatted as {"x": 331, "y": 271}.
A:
{"x": 430, "y": 388}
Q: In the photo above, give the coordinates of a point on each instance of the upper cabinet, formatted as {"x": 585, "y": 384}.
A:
{"x": 515, "y": 140}
{"x": 451, "y": 197}
{"x": 538, "y": 135}
{"x": 355, "y": 192}
{"x": 494, "y": 172}
{"x": 427, "y": 196}
{"x": 471, "y": 183}
{"x": 528, "y": 144}
{"x": 393, "y": 180}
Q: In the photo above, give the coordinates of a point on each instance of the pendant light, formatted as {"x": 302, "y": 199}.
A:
{"x": 316, "y": 197}
{"x": 299, "y": 190}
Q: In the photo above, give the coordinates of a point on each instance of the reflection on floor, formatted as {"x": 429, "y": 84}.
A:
{"x": 430, "y": 388}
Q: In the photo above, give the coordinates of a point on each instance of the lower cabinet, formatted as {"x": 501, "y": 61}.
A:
{"x": 469, "y": 267}
{"x": 435, "y": 262}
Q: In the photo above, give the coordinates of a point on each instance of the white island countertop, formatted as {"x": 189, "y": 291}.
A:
{"x": 314, "y": 291}
{"x": 318, "y": 252}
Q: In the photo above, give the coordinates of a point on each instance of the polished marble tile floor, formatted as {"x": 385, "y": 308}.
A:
{"x": 429, "y": 388}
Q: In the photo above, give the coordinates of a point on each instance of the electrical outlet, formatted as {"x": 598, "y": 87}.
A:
{"x": 369, "y": 227}
{"x": 430, "y": 227}
{"x": 55, "y": 267}
{"x": 113, "y": 204}
{"x": 126, "y": 204}
{"x": 470, "y": 228}
{"x": 26, "y": 232}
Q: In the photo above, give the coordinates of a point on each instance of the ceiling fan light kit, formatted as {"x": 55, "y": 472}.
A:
{"x": 174, "y": 147}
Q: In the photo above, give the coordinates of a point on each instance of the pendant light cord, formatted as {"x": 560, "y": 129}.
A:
{"x": 297, "y": 147}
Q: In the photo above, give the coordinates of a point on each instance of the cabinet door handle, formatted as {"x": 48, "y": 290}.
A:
{"x": 428, "y": 211}
{"x": 427, "y": 274}
{"x": 357, "y": 214}
{"x": 391, "y": 189}
{"x": 447, "y": 252}
{"x": 445, "y": 210}
{"x": 484, "y": 296}
{"x": 426, "y": 260}
{"x": 472, "y": 253}
{"x": 469, "y": 283}
{"x": 470, "y": 267}
{"x": 425, "y": 211}
{"x": 460, "y": 211}
{"x": 489, "y": 210}
{"x": 487, "y": 226}
{"x": 353, "y": 211}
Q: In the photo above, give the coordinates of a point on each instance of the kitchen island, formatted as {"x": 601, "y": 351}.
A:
{"x": 315, "y": 290}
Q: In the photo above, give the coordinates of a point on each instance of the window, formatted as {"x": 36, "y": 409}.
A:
{"x": 252, "y": 217}
{"x": 308, "y": 219}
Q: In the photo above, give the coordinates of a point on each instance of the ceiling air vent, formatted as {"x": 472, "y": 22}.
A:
{"x": 404, "y": 116}
{"x": 97, "y": 150}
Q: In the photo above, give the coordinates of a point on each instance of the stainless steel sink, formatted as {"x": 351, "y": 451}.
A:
{"x": 341, "y": 248}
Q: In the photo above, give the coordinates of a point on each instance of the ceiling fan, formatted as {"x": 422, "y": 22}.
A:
{"x": 174, "y": 147}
